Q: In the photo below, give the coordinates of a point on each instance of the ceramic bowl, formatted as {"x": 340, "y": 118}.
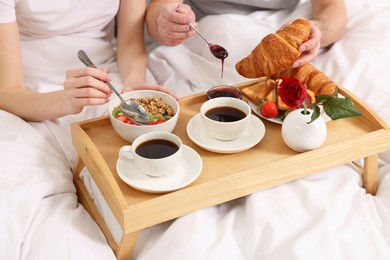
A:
{"x": 224, "y": 91}
{"x": 130, "y": 132}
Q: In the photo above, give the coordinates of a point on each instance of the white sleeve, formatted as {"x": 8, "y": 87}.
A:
{"x": 7, "y": 11}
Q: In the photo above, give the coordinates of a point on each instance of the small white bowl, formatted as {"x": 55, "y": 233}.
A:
{"x": 224, "y": 91}
{"x": 225, "y": 130}
{"x": 131, "y": 132}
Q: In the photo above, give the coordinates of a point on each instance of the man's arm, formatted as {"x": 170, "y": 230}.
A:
{"x": 327, "y": 26}
{"x": 330, "y": 17}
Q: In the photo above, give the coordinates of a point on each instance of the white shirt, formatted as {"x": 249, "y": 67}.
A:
{"x": 56, "y": 30}
{"x": 43, "y": 18}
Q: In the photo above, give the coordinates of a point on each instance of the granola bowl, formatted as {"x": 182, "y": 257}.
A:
{"x": 163, "y": 111}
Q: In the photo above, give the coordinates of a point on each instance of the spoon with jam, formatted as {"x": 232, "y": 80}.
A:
{"x": 218, "y": 51}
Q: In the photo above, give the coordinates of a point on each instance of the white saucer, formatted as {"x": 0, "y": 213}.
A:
{"x": 249, "y": 138}
{"x": 188, "y": 170}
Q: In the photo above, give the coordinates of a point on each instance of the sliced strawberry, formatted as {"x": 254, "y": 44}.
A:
{"x": 160, "y": 121}
{"x": 124, "y": 119}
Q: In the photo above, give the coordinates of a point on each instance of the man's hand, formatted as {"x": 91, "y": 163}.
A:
{"x": 172, "y": 23}
{"x": 309, "y": 48}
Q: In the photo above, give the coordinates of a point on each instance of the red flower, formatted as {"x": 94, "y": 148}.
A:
{"x": 292, "y": 92}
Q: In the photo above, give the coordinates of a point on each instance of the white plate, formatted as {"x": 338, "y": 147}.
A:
{"x": 277, "y": 119}
{"x": 188, "y": 170}
{"x": 249, "y": 138}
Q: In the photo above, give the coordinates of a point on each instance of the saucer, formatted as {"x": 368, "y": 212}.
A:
{"x": 249, "y": 138}
{"x": 187, "y": 171}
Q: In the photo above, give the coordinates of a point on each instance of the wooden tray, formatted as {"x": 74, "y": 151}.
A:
{"x": 224, "y": 177}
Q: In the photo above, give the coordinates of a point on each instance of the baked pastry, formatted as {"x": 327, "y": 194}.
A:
{"x": 314, "y": 79}
{"x": 259, "y": 90}
{"x": 276, "y": 52}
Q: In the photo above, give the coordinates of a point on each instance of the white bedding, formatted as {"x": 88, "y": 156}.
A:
{"x": 325, "y": 216}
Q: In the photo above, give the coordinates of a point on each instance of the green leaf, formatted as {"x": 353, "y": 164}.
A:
{"x": 337, "y": 108}
{"x": 261, "y": 102}
{"x": 316, "y": 113}
{"x": 323, "y": 98}
{"x": 283, "y": 115}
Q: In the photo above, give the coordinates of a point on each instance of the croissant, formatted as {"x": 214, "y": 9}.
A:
{"x": 275, "y": 52}
{"x": 314, "y": 79}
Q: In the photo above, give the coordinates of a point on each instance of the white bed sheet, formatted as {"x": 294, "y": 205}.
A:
{"x": 325, "y": 216}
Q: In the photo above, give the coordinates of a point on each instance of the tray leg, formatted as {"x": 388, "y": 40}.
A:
{"x": 88, "y": 203}
{"x": 126, "y": 246}
{"x": 370, "y": 173}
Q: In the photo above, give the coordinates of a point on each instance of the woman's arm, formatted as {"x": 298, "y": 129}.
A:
{"x": 131, "y": 50}
{"x": 13, "y": 96}
{"x": 82, "y": 87}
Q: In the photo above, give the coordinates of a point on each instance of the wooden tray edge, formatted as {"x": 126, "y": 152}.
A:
{"x": 87, "y": 150}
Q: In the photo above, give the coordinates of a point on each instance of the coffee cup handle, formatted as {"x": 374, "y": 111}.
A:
{"x": 126, "y": 153}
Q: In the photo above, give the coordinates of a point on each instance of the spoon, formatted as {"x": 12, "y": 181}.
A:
{"x": 217, "y": 50}
{"x": 130, "y": 108}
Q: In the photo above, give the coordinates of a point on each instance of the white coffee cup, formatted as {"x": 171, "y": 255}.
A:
{"x": 225, "y": 130}
{"x": 156, "y": 154}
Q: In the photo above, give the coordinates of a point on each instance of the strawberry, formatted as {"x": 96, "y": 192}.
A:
{"x": 268, "y": 108}
{"x": 124, "y": 119}
{"x": 158, "y": 121}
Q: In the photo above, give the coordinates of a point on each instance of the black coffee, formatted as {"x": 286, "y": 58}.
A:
{"x": 157, "y": 148}
{"x": 225, "y": 114}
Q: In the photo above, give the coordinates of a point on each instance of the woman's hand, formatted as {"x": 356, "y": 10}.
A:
{"x": 309, "y": 48}
{"x": 172, "y": 23}
{"x": 85, "y": 87}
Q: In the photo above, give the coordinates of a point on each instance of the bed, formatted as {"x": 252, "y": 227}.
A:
{"x": 324, "y": 216}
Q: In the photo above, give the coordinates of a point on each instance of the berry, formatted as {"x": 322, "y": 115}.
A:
{"x": 268, "y": 109}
